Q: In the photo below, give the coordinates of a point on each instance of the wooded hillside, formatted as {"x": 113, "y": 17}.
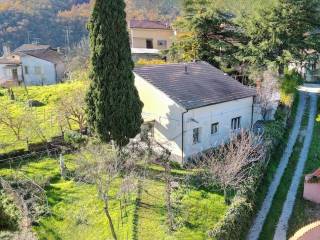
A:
{"x": 54, "y": 21}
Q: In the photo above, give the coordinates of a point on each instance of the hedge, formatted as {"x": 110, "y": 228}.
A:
{"x": 238, "y": 219}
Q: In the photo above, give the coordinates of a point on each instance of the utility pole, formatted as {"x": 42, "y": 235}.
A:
{"x": 28, "y": 33}
{"x": 67, "y": 37}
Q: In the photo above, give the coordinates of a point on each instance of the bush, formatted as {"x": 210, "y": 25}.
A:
{"x": 239, "y": 217}
{"x": 9, "y": 213}
{"x": 74, "y": 138}
{"x": 34, "y": 103}
{"x": 142, "y": 62}
{"x": 236, "y": 221}
{"x": 291, "y": 80}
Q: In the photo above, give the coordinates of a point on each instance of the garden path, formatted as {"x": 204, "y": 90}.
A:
{"x": 258, "y": 223}
{"x": 282, "y": 226}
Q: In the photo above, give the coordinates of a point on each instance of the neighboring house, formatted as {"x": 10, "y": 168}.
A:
{"x": 193, "y": 107}
{"x": 144, "y": 53}
{"x": 147, "y": 34}
{"x": 10, "y": 71}
{"x": 33, "y": 64}
{"x": 309, "y": 71}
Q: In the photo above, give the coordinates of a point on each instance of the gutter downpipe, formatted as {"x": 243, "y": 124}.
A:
{"x": 182, "y": 140}
{"x": 252, "y": 110}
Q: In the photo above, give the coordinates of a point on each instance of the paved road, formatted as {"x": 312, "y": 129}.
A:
{"x": 256, "y": 228}
{"x": 282, "y": 227}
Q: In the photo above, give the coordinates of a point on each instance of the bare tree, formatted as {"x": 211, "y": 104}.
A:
{"x": 233, "y": 164}
{"x": 78, "y": 57}
{"x": 267, "y": 90}
{"x": 101, "y": 165}
{"x": 165, "y": 162}
{"x": 12, "y": 118}
{"x": 71, "y": 109}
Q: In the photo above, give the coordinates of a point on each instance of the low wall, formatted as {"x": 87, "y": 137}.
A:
{"x": 309, "y": 232}
{"x": 311, "y": 192}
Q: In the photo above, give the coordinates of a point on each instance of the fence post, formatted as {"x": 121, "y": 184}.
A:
{"x": 27, "y": 141}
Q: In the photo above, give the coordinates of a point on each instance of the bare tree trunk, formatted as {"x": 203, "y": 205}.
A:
{"x": 106, "y": 210}
{"x": 226, "y": 196}
{"x": 168, "y": 195}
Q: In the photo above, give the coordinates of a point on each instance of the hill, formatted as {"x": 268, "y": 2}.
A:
{"x": 54, "y": 21}
{"x": 51, "y": 21}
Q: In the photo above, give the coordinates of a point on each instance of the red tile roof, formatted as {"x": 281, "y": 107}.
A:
{"x": 147, "y": 24}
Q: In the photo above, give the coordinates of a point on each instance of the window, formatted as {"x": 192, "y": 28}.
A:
{"x": 162, "y": 43}
{"x": 26, "y": 70}
{"x": 15, "y": 74}
{"x": 149, "y": 43}
{"x": 37, "y": 70}
{"x": 236, "y": 123}
{"x": 214, "y": 128}
{"x": 196, "y": 135}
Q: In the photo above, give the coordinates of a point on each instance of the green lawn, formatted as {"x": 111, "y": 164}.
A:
{"x": 77, "y": 213}
{"x": 304, "y": 211}
{"x": 281, "y": 194}
{"x": 45, "y": 115}
{"x": 198, "y": 211}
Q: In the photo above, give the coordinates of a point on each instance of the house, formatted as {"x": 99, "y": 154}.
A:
{"x": 147, "y": 34}
{"x": 193, "y": 107}
{"x": 32, "y": 64}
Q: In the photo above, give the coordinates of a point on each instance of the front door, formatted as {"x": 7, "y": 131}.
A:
{"x": 14, "y": 74}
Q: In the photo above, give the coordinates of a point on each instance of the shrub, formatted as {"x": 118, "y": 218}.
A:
{"x": 34, "y": 103}
{"x": 235, "y": 222}
{"x": 239, "y": 217}
{"x": 9, "y": 213}
{"x": 74, "y": 138}
{"x": 142, "y": 62}
{"x": 290, "y": 81}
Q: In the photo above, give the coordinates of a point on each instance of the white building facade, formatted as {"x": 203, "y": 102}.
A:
{"x": 32, "y": 64}
{"x": 188, "y": 128}
{"x": 37, "y": 71}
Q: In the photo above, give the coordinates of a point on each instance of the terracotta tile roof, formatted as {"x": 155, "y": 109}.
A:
{"x": 147, "y": 24}
{"x": 194, "y": 85}
{"x": 9, "y": 60}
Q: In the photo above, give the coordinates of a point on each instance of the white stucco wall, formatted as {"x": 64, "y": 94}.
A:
{"x": 47, "y": 75}
{"x": 139, "y": 36}
{"x": 168, "y": 116}
{"x": 6, "y": 74}
{"x": 221, "y": 113}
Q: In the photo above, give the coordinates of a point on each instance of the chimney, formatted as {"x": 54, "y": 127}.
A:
{"x": 6, "y": 50}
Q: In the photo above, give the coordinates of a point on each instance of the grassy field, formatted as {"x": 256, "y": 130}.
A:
{"x": 305, "y": 212}
{"x": 281, "y": 194}
{"x": 46, "y": 116}
{"x": 77, "y": 213}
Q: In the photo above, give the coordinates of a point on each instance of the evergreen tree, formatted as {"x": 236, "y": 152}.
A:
{"x": 113, "y": 104}
{"x": 282, "y": 34}
{"x": 207, "y": 34}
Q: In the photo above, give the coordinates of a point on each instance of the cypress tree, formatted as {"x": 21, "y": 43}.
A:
{"x": 113, "y": 104}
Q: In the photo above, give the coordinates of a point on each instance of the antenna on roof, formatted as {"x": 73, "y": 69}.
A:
{"x": 185, "y": 68}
